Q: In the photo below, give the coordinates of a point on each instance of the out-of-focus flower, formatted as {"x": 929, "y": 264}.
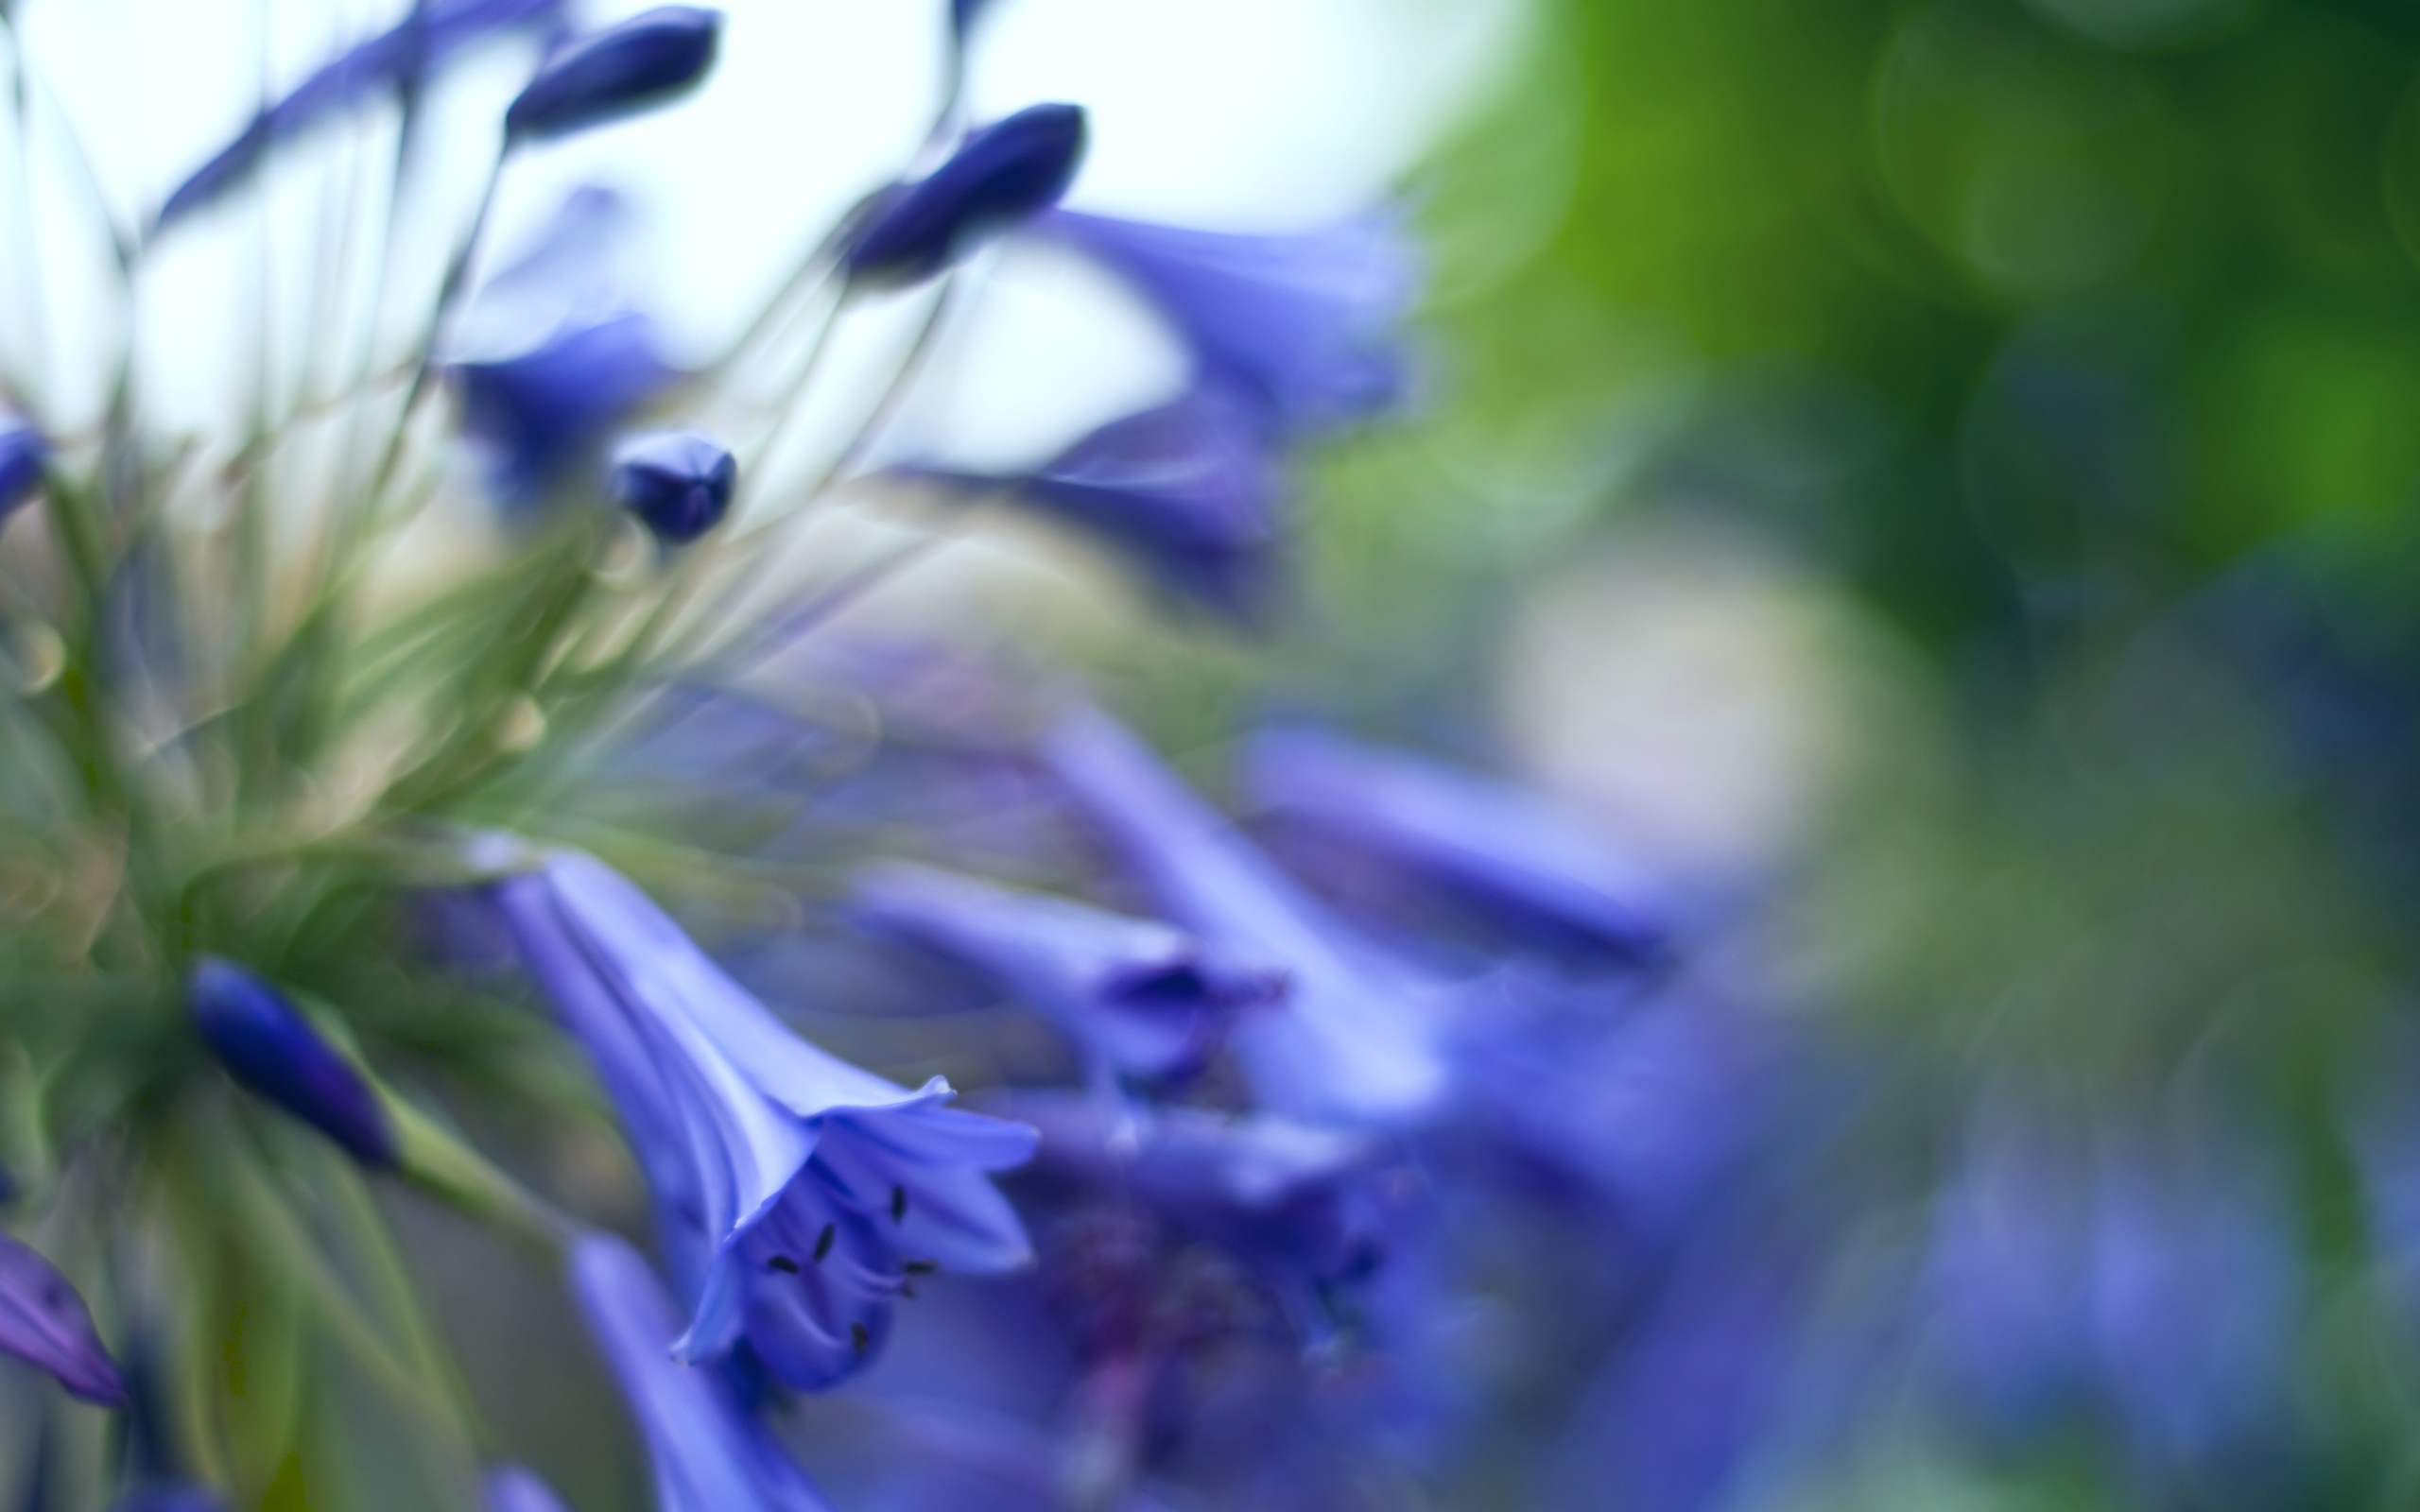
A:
{"x": 24, "y": 454}
{"x": 1355, "y": 1040}
{"x": 44, "y": 1323}
{"x": 796, "y": 1189}
{"x": 1533, "y": 873}
{"x": 1139, "y": 996}
{"x": 646, "y": 60}
{"x": 431, "y": 34}
{"x": 510, "y": 1489}
{"x": 1001, "y": 177}
{"x": 1187, "y": 493}
{"x": 708, "y": 1457}
{"x": 1305, "y": 324}
{"x": 268, "y": 1047}
{"x": 678, "y": 483}
{"x": 539, "y": 411}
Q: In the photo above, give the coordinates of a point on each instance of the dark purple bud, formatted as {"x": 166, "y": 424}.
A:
{"x": 272, "y": 1050}
{"x": 678, "y": 483}
{"x": 44, "y": 1323}
{"x": 654, "y": 56}
{"x": 430, "y": 35}
{"x": 1003, "y": 176}
{"x": 24, "y": 454}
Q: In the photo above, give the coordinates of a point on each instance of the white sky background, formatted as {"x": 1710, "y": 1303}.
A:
{"x": 1230, "y": 114}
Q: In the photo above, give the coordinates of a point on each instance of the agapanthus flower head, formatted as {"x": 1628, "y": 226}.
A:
{"x": 1187, "y": 493}
{"x": 1307, "y": 324}
{"x": 432, "y": 33}
{"x": 999, "y": 178}
{"x": 272, "y": 1051}
{"x": 676, "y": 483}
{"x": 24, "y": 452}
{"x": 646, "y": 60}
{"x": 512, "y": 1489}
{"x": 707, "y": 1455}
{"x": 537, "y": 413}
{"x": 1142, "y": 997}
{"x": 797, "y": 1191}
{"x": 46, "y": 1324}
{"x": 1355, "y": 1040}
{"x": 1531, "y": 872}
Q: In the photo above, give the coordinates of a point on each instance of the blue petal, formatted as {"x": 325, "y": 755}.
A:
{"x": 1001, "y": 177}
{"x": 678, "y": 483}
{"x": 510, "y": 1489}
{"x": 273, "y": 1051}
{"x": 1355, "y": 1040}
{"x": 538, "y": 412}
{"x": 24, "y": 455}
{"x": 1308, "y": 323}
{"x": 630, "y": 66}
{"x": 44, "y": 1323}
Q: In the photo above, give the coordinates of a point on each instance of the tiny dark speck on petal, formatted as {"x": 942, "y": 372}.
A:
{"x": 824, "y": 1244}
{"x": 859, "y": 1339}
{"x": 921, "y": 1268}
{"x": 784, "y": 1264}
{"x": 898, "y": 1204}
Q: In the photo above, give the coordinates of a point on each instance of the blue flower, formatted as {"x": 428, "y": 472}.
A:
{"x": 798, "y": 1192}
{"x": 1188, "y": 493}
{"x": 1001, "y": 177}
{"x": 1355, "y": 1040}
{"x": 510, "y": 1489}
{"x": 678, "y": 483}
{"x": 274, "y": 1051}
{"x": 1140, "y": 997}
{"x": 643, "y": 62}
{"x": 24, "y": 454}
{"x": 1305, "y": 323}
{"x": 539, "y": 412}
{"x": 431, "y": 34}
{"x": 707, "y": 1455}
{"x": 44, "y": 1323}
{"x": 1531, "y": 872}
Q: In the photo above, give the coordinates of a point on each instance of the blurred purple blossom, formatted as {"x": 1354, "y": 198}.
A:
{"x": 678, "y": 483}
{"x": 44, "y": 1323}
{"x": 510, "y": 1489}
{"x": 24, "y": 452}
{"x": 1355, "y": 1040}
{"x": 276, "y": 1054}
{"x": 539, "y": 412}
{"x": 628, "y": 66}
{"x": 997, "y": 179}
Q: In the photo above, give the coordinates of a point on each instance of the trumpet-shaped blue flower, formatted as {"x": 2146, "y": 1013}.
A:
{"x": 1305, "y": 323}
{"x": 431, "y": 34}
{"x": 1001, "y": 177}
{"x": 510, "y": 1489}
{"x": 538, "y": 412}
{"x": 274, "y": 1051}
{"x": 24, "y": 455}
{"x": 707, "y": 1455}
{"x": 1355, "y": 1040}
{"x": 1532, "y": 872}
{"x": 678, "y": 483}
{"x": 626, "y": 67}
{"x": 44, "y": 1323}
{"x": 1139, "y": 996}
{"x": 798, "y": 1192}
{"x": 1188, "y": 493}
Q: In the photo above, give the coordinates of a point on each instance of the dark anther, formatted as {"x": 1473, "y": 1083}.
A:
{"x": 898, "y": 1204}
{"x": 824, "y": 1244}
{"x": 784, "y": 1264}
{"x": 859, "y": 1339}
{"x": 920, "y": 1267}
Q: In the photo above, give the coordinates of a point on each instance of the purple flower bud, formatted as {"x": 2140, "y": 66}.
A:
{"x": 24, "y": 454}
{"x": 1004, "y": 175}
{"x": 678, "y": 483}
{"x": 539, "y": 411}
{"x": 44, "y": 1323}
{"x": 433, "y": 32}
{"x": 646, "y": 60}
{"x": 510, "y": 1489}
{"x": 273, "y": 1051}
